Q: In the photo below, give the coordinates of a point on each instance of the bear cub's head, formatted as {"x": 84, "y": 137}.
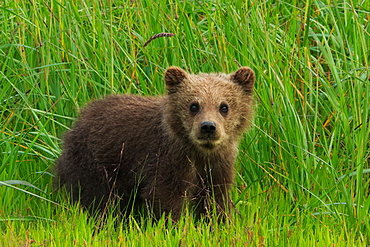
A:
{"x": 209, "y": 110}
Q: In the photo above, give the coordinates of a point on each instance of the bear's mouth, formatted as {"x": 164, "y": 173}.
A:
{"x": 208, "y": 145}
{"x": 208, "y": 142}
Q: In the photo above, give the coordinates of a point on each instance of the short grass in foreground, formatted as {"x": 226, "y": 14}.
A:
{"x": 303, "y": 171}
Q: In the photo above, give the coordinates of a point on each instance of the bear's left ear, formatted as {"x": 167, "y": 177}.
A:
{"x": 244, "y": 77}
{"x": 174, "y": 76}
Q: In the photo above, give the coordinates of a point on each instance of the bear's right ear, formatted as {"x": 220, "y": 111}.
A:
{"x": 245, "y": 77}
{"x": 174, "y": 76}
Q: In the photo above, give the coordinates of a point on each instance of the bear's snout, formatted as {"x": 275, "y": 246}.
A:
{"x": 208, "y": 128}
{"x": 208, "y": 135}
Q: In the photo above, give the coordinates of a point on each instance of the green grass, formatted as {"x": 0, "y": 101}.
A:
{"x": 303, "y": 170}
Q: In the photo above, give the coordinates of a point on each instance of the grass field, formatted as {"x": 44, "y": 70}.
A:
{"x": 303, "y": 170}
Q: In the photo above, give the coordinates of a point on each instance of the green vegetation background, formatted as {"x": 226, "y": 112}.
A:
{"x": 302, "y": 172}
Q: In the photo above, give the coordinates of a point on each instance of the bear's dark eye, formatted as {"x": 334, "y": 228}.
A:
{"x": 194, "y": 107}
{"x": 224, "y": 108}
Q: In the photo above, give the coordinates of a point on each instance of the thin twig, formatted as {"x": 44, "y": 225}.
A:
{"x": 158, "y": 36}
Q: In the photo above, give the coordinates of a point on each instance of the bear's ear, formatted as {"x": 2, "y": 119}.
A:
{"x": 244, "y": 77}
{"x": 174, "y": 76}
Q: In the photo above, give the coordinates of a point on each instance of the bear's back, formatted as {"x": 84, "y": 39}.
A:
{"x": 117, "y": 122}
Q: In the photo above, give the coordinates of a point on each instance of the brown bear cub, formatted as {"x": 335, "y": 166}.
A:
{"x": 160, "y": 152}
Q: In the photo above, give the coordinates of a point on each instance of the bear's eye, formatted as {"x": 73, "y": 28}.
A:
{"x": 224, "y": 108}
{"x": 194, "y": 107}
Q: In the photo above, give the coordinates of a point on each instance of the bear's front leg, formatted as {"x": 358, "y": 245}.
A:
{"x": 214, "y": 195}
{"x": 222, "y": 201}
{"x": 160, "y": 200}
{"x": 212, "y": 200}
{"x": 170, "y": 205}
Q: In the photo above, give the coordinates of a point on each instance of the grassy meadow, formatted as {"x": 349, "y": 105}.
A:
{"x": 303, "y": 170}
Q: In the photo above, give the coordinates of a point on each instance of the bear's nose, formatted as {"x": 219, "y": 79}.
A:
{"x": 208, "y": 127}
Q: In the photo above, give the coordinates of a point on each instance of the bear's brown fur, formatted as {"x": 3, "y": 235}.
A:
{"x": 160, "y": 151}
